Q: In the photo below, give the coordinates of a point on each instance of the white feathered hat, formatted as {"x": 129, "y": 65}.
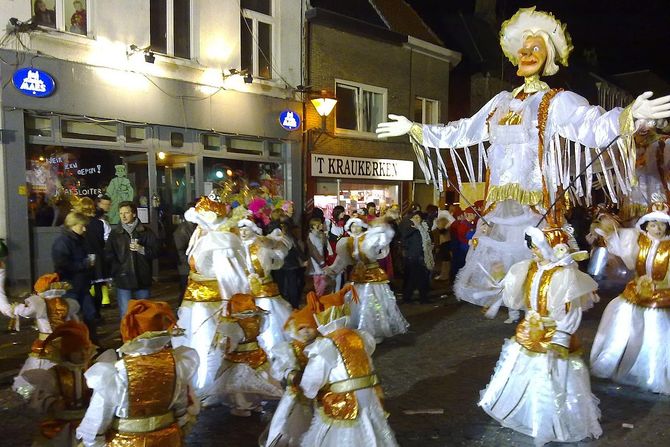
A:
{"x": 528, "y": 21}
{"x": 354, "y": 220}
{"x": 249, "y": 224}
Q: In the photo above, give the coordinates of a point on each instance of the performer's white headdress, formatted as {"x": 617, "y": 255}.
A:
{"x": 354, "y": 220}
{"x": 528, "y": 22}
{"x": 249, "y": 224}
{"x": 555, "y": 243}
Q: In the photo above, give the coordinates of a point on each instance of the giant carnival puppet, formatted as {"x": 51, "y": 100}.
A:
{"x": 532, "y": 142}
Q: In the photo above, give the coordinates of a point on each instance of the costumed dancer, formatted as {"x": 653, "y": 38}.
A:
{"x": 631, "y": 344}
{"x": 377, "y": 312}
{"x": 50, "y": 309}
{"x": 217, "y": 272}
{"x": 60, "y": 392}
{"x": 652, "y": 168}
{"x": 531, "y": 131}
{"x": 262, "y": 255}
{"x": 540, "y": 386}
{"x": 243, "y": 381}
{"x": 341, "y": 377}
{"x": 294, "y": 412}
{"x": 144, "y": 399}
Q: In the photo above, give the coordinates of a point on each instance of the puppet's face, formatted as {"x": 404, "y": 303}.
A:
{"x": 246, "y": 233}
{"x": 305, "y": 334}
{"x": 356, "y": 229}
{"x": 532, "y": 56}
{"x": 657, "y": 229}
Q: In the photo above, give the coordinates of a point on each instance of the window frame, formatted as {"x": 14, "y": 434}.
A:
{"x": 271, "y": 20}
{"x": 169, "y": 32}
{"x": 434, "y": 104}
{"x": 359, "y": 104}
{"x": 59, "y": 8}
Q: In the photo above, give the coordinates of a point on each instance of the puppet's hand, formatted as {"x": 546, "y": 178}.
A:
{"x": 397, "y": 127}
{"x": 651, "y": 109}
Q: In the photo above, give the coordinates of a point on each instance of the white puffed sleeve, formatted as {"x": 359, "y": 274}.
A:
{"x": 376, "y": 244}
{"x": 283, "y": 361}
{"x": 32, "y": 307}
{"x": 323, "y": 356}
{"x": 108, "y": 389}
{"x": 343, "y": 258}
{"x": 573, "y": 118}
{"x": 623, "y": 243}
{"x": 72, "y": 309}
{"x": 230, "y": 333}
{"x": 512, "y": 283}
{"x": 185, "y": 404}
{"x": 464, "y": 132}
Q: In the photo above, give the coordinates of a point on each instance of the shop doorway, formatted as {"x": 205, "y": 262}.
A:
{"x": 354, "y": 195}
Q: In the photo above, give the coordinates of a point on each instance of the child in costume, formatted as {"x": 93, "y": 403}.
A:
{"x": 144, "y": 399}
{"x": 631, "y": 344}
{"x": 60, "y": 392}
{"x": 540, "y": 385}
{"x": 377, "y": 313}
{"x": 243, "y": 381}
{"x": 50, "y": 309}
{"x": 217, "y": 272}
{"x": 318, "y": 249}
{"x": 341, "y": 377}
{"x": 264, "y": 254}
{"x": 294, "y": 412}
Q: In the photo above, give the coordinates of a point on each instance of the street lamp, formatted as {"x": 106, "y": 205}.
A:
{"x": 324, "y": 104}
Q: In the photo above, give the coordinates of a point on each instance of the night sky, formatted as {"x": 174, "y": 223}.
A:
{"x": 627, "y": 35}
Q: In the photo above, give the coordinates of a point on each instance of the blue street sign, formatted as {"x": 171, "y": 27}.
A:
{"x": 34, "y": 82}
{"x": 289, "y": 120}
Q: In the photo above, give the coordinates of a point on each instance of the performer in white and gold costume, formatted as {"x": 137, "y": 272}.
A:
{"x": 144, "y": 399}
{"x": 377, "y": 312}
{"x": 50, "y": 309}
{"x": 631, "y": 344}
{"x": 263, "y": 254}
{"x": 540, "y": 385}
{"x": 341, "y": 377}
{"x": 217, "y": 272}
{"x": 538, "y": 138}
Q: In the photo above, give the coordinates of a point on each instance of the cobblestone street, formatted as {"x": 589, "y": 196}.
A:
{"x": 441, "y": 365}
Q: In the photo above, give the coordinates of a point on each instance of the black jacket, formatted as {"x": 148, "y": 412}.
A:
{"x": 131, "y": 270}
{"x": 412, "y": 243}
{"x": 95, "y": 239}
{"x": 70, "y": 257}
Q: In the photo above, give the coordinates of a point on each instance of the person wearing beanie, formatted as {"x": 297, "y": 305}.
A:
{"x": 217, "y": 271}
{"x": 264, "y": 254}
{"x": 145, "y": 398}
{"x": 341, "y": 378}
{"x": 377, "y": 313}
{"x": 60, "y": 393}
{"x": 243, "y": 382}
{"x": 294, "y": 412}
{"x": 630, "y": 346}
{"x": 50, "y": 308}
{"x": 540, "y": 386}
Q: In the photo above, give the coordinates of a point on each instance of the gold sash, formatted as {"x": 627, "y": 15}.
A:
{"x": 202, "y": 290}
{"x": 249, "y": 351}
{"x": 660, "y": 298}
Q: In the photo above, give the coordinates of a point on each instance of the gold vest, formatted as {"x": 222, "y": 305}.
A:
{"x": 658, "y": 297}
{"x": 365, "y": 270}
{"x": 57, "y": 312}
{"x": 151, "y": 385}
{"x": 536, "y": 329}
{"x": 338, "y": 399}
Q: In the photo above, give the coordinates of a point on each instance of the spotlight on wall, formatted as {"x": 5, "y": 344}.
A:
{"x": 161, "y": 155}
{"x": 248, "y": 79}
{"x": 149, "y": 57}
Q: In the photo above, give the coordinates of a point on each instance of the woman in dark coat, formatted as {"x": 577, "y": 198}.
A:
{"x": 69, "y": 253}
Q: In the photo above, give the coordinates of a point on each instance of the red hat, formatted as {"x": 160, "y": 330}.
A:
{"x": 145, "y": 316}
{"x": 73, "y": 337}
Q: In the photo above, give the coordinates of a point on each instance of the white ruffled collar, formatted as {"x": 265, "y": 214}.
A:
{"x": 334, "y": 325}
{"x": 147, "y": 343}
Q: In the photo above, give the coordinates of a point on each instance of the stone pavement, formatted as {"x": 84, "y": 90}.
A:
{"x": 440, "y": 365}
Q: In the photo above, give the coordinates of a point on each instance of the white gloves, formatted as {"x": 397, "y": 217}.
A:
{"x": 398, "y": 127}
{"x": 650, "y": 109}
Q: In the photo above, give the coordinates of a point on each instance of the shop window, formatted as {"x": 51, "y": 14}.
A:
{"x": 84, "y": 130}
{"x": 256, "y": 41}
{"x": 248, "y": 147}
{"x": 354, "y": 196}
{"x": 170, "y": 27}
{"x": 244, "y": 172}
{"x": 211, "y": 142}
{"x": 38, "y": 126}
{"x": 359, "y": 108}
{"x": 63, "y": 15}
{"x": 426, "y": 111}
{"x": 55, "y": 173}
{"x": 135, "y": 134}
